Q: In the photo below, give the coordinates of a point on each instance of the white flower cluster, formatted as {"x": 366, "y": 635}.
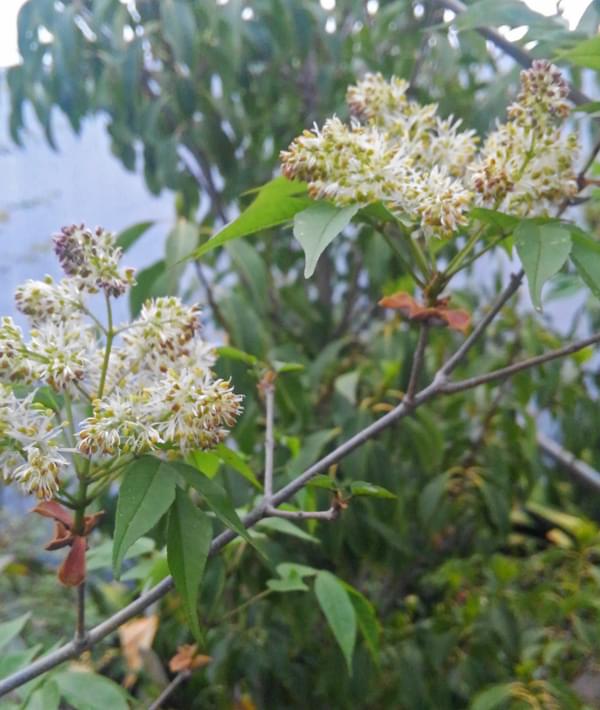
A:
{"x": 425, "y": 169}
{"x": 149, "y": 383}
{"x": 161, "y": 391}
{"x": 526, "y": 166}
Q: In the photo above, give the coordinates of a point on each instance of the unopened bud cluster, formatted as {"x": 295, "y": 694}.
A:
{"x": 427, "y": 170}
{"x": 149, "y": 383}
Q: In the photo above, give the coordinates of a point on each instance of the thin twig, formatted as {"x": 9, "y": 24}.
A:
{"x": 417, "y": 363}
{"x": 469, "y": 383}
{"x": 329, "y": 514}
{"x": 175, "y": 683}
{"x": 515, "y": 282}
{"x": 269, "y": 392}
{"x": 80, "y": 634}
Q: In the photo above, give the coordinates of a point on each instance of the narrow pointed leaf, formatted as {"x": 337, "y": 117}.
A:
{"x": 339, "y": 612}
{"x": 188, "y": 542}
{"x": 316, "y": 227}
{"x": 216, "y": 498}
{"x": 276, "y": 203}
{"x": 146, "y": 493}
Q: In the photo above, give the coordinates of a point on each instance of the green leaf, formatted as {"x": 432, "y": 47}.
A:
{"x": 46, "y": 697}
{"x": 11, "y": 629}
{"x": 188, "y": 542}
{"x": 585, "y": 254}
{"x": 322, "y": 481}
{"x": 128, "y": 237}
{"x": 364, "y": 488}
{"x": 339, "y": 612}
{"x": 286, "y": 527}
{"x": 543, "y": 248}
{"x": 367, "y": 620}
{"x": 237, "y": 463}
{"x": 146, "y": 493}
{"x": 276, "y": 203}
{"x": 291, "y": 584}
{"x": 590, "y": 107}
{"x": 181, "y": 31}
{"x": 505, "y": 222}
{"x": 235, "y": 354}
{"x": 492, "y": 698}
{"x": 216, "y": 498}
{"x": 89, "y": 691}
{"x": 316, "y": 227}
{"x": 292, "y": 576}
{"x": 206, "y": 462}
{"x": 584, "y": 54}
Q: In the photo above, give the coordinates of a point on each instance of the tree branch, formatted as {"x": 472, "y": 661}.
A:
{"x": 578, "y": 469}
{"x": 417, "y": 363}
{"x": 517, "y": 53}
{"x": 173, "y": 685}
{"x": 453, "y": 387}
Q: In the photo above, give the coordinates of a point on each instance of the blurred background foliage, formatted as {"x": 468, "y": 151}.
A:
{"x": 483, "y": 571}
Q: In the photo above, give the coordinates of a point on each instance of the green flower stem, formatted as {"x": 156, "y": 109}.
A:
{"x": 394, "y": 247}
{"x": 110, "y": 334}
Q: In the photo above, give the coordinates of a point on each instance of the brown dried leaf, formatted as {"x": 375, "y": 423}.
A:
{"x": 136, "y": 637}
{"x": 440, "y": 314}
{"x": 72, "y": 571}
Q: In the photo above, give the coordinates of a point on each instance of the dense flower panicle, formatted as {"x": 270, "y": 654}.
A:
{"x": 149, "y": 382}
{"x": 48, "y": 300}
{"x": 526, "y": 165}
{"x": 92, "y": 259}
{"x": 426, "y": 168}
{"x": 30, "y": 445}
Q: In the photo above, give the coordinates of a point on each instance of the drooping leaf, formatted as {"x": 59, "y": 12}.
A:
{"x": 206, "y": 462}
{"x": 317, "y": 226}
{"x": 543, "y": 248}
{"x": 188, "y": 542}
{"x": 11, "y": 629}
{"x": 585, "y": 254}
{"x": 128, "y": 237}
{"x": 276, "y": 203}
{"x": 216, "y": 498}
{"x": 584, "y": 54}
{"x": 146, "y": 493}
{"x": 339, "y": 612}
{"x": 89, "y": 691}
{"x": 367, "y": 620}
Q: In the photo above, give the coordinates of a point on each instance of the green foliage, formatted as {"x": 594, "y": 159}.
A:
{"x": 316, "y": 227}
{"x": 453, "y": 578}
{"x": 543, "y": 248}
{"x": 188, "y": 542}
{"x": 146, "y": 493}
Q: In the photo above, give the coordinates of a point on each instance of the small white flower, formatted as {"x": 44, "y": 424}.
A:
{"x": 48, "y": 300}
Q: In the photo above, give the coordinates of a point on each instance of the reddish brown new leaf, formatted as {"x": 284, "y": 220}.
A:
{"x": 72, "y": 571}
{"x": 439, "y": 314}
